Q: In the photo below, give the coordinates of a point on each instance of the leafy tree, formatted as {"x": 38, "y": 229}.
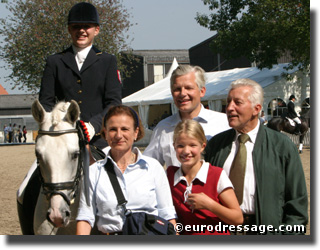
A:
{"x": 261, "y": 30}
{"x": 38, "y": 28}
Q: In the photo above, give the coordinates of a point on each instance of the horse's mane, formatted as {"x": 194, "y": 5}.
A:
{"x": 59, "y": 111}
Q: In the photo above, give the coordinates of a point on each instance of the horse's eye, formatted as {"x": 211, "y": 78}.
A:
{"x": 75, "y": 155}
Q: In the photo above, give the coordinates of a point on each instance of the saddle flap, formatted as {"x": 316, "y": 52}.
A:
{"x": 292, "y": 123}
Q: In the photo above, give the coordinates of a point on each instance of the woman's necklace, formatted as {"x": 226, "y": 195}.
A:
{"x": 132, "y": 160}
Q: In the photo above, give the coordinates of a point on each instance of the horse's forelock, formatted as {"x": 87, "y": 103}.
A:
{"x": 59, "y": 112}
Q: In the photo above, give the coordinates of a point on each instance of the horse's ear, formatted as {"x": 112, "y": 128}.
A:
{"x": 38, "y": 111}
{"x": 73, "y": 112}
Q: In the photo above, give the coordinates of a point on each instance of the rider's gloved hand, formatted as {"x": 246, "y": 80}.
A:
{"x": 91, "y": 130}
{"x": 87, "y": 129}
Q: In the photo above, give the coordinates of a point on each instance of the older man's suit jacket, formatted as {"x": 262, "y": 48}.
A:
{"x": 281, "y": 196}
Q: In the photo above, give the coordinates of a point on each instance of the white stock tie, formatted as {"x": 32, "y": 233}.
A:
{"x": 81, "y": 57}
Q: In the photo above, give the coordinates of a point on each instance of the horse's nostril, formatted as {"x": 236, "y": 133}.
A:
{"x": 68, "y": 214}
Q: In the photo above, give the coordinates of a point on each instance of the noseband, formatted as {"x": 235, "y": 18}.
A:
{"x": 50, "y": 189}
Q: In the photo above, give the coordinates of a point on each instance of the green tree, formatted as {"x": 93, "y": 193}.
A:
{"x": 38, "y": 28}
{"x": 261, "y": 30}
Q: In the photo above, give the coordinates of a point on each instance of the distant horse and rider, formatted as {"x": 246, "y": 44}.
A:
{"x": 283, "y": 123}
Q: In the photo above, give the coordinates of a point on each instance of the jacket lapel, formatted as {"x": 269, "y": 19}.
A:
{"x": 69, "y": 59}
{"x": 92, "y": 57}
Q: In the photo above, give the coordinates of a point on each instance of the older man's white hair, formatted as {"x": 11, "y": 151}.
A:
{"x": 256, "y": 96}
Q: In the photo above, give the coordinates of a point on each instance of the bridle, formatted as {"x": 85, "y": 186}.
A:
{"x": 50, "y": 189}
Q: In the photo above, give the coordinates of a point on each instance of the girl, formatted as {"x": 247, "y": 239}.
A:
{"x": 202, "y": 194}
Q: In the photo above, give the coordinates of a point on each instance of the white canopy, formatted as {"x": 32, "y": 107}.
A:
{"x": 217, "y": 84}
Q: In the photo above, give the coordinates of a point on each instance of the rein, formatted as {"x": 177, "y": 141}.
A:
{"x": 50, "y": 189}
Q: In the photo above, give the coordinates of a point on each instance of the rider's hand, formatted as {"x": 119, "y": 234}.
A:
{"x": 90, "y": 129}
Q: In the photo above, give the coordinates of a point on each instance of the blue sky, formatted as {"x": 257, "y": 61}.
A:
{"x": 166, "y": 24}
{"x": 159, "y": 24}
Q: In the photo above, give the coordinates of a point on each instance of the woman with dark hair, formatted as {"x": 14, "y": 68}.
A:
{"x": 142, "y": 179}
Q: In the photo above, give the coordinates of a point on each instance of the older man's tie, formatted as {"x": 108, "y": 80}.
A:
{"x": 238, "y": 167}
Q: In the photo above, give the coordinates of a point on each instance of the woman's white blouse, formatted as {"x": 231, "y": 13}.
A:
{"x": 144, "y": 185}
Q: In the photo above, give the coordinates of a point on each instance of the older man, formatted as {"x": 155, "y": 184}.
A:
{"x": 187, "y": 89}
{"x": 263, "y": 165}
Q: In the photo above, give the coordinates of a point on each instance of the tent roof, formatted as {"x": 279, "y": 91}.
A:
{"x": 217, "y": 84}
{"x": 3, "y": 91}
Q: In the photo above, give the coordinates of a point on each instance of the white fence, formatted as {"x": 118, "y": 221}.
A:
{"x": 295, "y": 138}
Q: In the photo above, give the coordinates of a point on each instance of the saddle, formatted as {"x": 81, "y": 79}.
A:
{"x": 292, "y": 122}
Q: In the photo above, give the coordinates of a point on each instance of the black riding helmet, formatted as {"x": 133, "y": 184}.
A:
{"x": 83, "y": 13}
{"x": 291, "y": 97}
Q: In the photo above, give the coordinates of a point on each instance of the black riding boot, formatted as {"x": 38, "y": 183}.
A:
{"x": 297, "y": 130}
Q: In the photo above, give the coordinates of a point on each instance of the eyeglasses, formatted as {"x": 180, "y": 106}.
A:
{"x": 81, "y": 26}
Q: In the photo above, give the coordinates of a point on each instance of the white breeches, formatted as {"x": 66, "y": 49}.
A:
{"x": 297, "y": 120}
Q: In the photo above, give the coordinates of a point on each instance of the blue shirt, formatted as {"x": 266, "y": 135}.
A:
{"x": 144, "y": 185}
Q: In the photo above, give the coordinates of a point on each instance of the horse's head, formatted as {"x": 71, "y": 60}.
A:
{"x": 57, "y": 151}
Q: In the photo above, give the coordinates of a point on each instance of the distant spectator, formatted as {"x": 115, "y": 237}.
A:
{"x": 20, "y": 134}
{"x": 24, "y": 131}
{"x": 262, "y": 118}
{"x": 15, "y": 133}
{"x": 10, "y": 131}
{"x": 5, "y": 134}
{"x": 154, "y": 124}
{"x": 165, "y": 115}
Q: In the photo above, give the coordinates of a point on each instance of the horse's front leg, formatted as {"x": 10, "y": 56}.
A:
{"x": 301, "y": 137}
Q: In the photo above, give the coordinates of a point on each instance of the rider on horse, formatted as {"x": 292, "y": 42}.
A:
{"x": 293, "y": 115}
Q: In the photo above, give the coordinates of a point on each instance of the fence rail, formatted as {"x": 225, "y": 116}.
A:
{"x": 295, "y": 138}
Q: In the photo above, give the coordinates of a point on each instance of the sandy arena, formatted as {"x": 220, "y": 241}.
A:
{"x": 15, "y": 162}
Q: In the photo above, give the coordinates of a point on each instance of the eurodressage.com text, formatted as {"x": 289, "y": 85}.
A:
{"x": 222, "y": 228}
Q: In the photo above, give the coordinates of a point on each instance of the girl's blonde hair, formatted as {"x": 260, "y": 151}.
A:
{"x": 192, "y": 129}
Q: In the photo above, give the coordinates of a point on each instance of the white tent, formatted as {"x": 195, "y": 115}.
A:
{"x": 217, "y": 84}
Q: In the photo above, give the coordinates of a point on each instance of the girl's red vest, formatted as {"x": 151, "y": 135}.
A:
{"x": 199, "y": 221}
